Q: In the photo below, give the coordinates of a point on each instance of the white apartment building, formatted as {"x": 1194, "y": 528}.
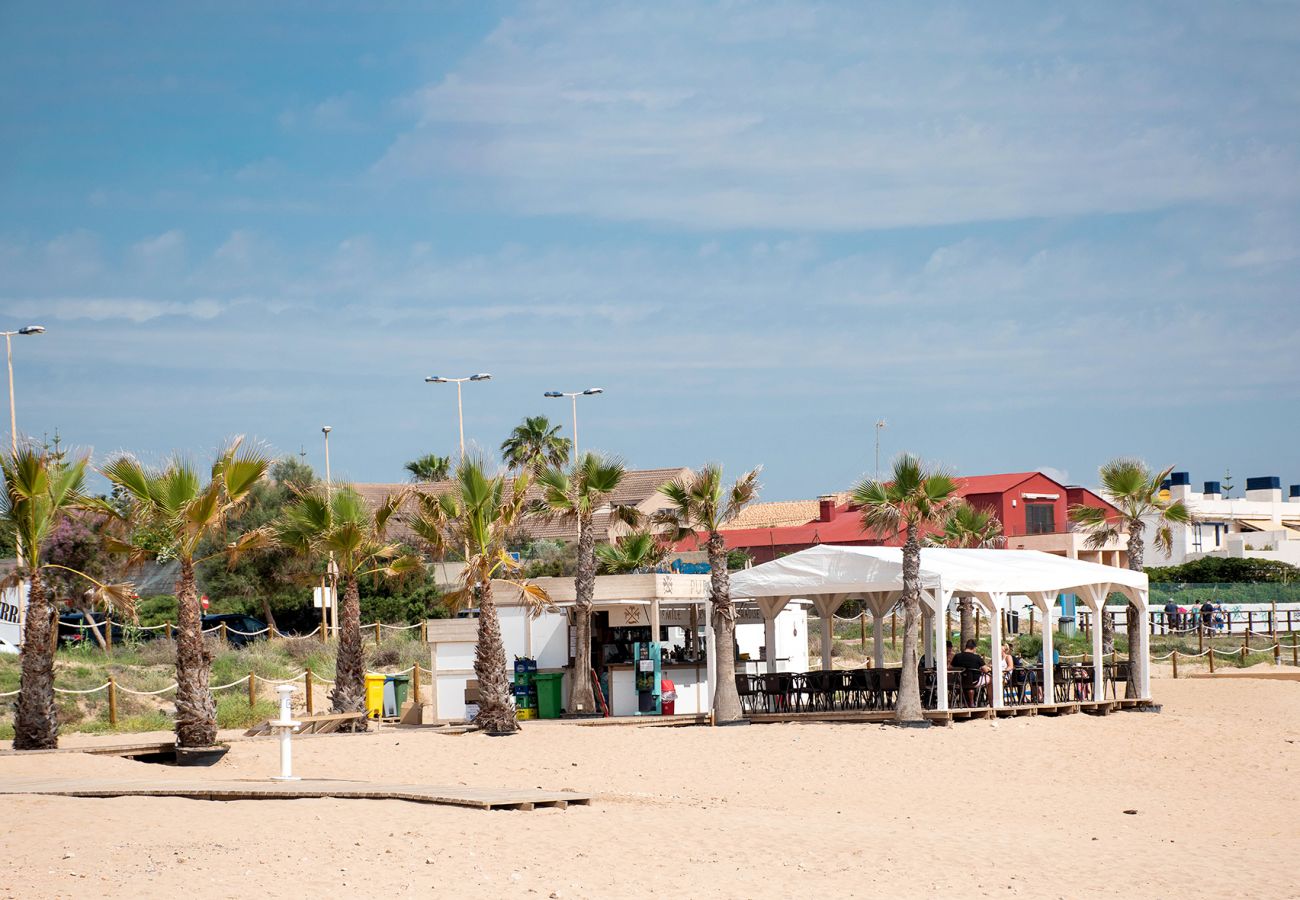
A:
{"x": 1263, "y": 524}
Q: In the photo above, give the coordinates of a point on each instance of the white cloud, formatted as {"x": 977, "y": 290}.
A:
{"x": 99, "y": 309}
{"x": 856, "y": 118}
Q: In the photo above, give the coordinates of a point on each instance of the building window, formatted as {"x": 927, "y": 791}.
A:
{"x": 1196, "y": 538}
{"x": 1040, "y": 518}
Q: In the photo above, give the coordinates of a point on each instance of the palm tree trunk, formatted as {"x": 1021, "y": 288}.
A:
{"x": 908, "y": 709}
{"x": 496, "y": 708}
{"x": 967, "y": 607}
{"x": 36, "y": 721}
{"x": 582, "y": 700}
{"x": 1136, "y": 552}
{"x": 349, "y": 694}
{"x": 726, "y": 699}
{"x": 196, "y": 713}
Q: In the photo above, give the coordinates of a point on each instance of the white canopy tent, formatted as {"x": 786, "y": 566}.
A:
{"x": 828, "y": 575}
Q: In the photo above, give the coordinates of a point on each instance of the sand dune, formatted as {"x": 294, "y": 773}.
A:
{"x": 1024, "y": 807}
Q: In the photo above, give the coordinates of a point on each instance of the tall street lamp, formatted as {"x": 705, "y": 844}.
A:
{"x": 332, "y": 569}
{"x": 460, "y": 407}
{"x": 880, "y": 426}
{"x": 13, "y": 440}
{"x": 574, "y": 395}
{"x": 9, "y": 352}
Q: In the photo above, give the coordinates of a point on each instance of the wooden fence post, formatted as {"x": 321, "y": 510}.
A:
{"x": 308, "y": 682}
{"x": 1245, "y": 647}
{"x": 1211, "y": 659}
{"x": 252, "y": 689}
{"x": 108, "y": 635}
{"x": 1175, "y": 660}
{"x": 1200, "y": 639}
{"x": 893, "y": 630}
{"x": 167, "y": 630}
{"x": 1295, "y": 644}
{"x": 1272, "y": 619}
{"x": 424, "y": 631}
{"x": 112, "y": 700}
{"x": 1277, "y": 654}
{"x": 225, "y": 633}
{"x": 415, "y": 684}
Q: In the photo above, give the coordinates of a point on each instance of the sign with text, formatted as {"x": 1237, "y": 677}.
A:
{"x": 12, "y": 602}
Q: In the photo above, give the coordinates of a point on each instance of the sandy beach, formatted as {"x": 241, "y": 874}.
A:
{"x": 1019, "y": 807}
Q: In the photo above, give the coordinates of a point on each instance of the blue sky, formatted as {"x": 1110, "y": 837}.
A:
{"x": 1029, "y": 236}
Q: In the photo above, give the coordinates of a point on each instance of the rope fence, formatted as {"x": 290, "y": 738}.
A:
{"x": 251, "y": 680}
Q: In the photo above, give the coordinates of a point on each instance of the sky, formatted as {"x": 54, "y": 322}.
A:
{"x": 1026, "y": 235}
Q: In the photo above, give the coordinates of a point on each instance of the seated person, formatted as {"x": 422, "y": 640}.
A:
{"x": 951, "y": 653}
{"x": 972, "y": 663}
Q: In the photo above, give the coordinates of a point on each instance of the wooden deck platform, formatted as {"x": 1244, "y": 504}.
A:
{"x": 475, "y": 798}
{"x": 956, "y": 714}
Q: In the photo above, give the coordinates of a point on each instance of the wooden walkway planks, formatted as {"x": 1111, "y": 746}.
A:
{"x": 475, "y": 798}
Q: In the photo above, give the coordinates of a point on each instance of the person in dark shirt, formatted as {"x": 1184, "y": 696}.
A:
{"x": 973, "y": 663}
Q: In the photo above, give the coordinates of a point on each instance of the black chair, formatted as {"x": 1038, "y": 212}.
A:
{"x": 974, "y": 688}
{"x": 747, "y": 688}
{"x": 885, "y": 689}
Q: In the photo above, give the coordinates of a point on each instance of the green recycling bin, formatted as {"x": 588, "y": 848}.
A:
{"x": 549, "y": 690}
{"x": 395, "y": 689}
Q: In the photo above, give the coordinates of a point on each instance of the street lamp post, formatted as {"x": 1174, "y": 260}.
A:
{"x": 9, "y": 353}
{"x": 460, "y": 407}
{"x": 880, "y": 426}
{"x": 332, "y": 569}
{"x": 13, "y": 443}
{"x": 574, "y": 395}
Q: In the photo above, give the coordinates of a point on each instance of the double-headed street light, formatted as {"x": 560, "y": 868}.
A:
{"x": 460, "y": 408}
{"x": 9, "y": 352}
{"x": 574, "y": 395}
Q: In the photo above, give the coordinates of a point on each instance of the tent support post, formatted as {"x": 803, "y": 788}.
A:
{"x": 1098, "y": 657}
{"x": 939, "y": 634}
{"x": 995, "y": 652}
{"x": 1045, "y": 601}
{"x": 769, "y": 638}
{"x": 1144, "y": 647}
{"x": 828, "y": 638}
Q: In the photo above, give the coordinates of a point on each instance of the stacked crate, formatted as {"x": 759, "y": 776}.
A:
{"x": 525, "y": 688}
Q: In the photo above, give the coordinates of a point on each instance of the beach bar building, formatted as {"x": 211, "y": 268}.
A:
{"x": 666, "y": 610}
{"x": 828, "y": 576}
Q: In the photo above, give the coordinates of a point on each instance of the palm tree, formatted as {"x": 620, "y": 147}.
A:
{"x": 971, "y": 527}
{"x": 914, "y": 499}
{"x": 476, "y": 517}
{"x": 41, "y": 488}
{"x": 637, "y": 551}
{"x": 576, "y": 496}
{"x": 430, "y": 467}
{"x": 338, "y": 525}
{"x": 175, "y": 510}
{"x": 534, "y": 445}
{"x": 700, "y": 502}
{"x": 1130, "y": 486}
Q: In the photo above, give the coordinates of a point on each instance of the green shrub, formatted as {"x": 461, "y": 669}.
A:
{"x": 233, "y": 710}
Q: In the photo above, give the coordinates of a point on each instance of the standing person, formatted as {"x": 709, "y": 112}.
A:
{"x": 1207, "y": 617}
{"x": 1171, "y": 616}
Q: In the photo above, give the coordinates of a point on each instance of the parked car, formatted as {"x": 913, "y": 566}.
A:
{"x": 240, "y": 629}
{"x": 74, "y": 633}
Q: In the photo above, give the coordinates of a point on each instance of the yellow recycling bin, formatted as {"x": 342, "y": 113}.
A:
{"x": 374, "y": 696}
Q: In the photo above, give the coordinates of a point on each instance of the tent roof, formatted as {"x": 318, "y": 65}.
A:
{"x": 830, "y": 569}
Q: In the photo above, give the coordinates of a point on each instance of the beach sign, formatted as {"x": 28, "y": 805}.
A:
{"x": 12, "y": 602}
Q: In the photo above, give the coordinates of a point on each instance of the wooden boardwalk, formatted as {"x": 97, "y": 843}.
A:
{"x": 475, "y": 798}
